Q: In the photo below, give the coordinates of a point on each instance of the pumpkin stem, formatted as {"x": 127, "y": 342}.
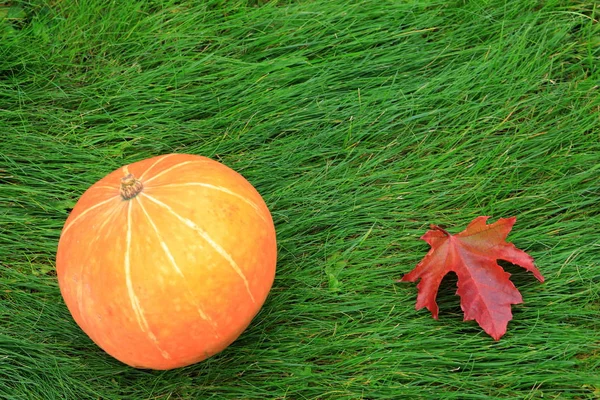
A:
{"x": 130, "y": 187}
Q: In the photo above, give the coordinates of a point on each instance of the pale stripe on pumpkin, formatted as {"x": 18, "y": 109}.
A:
{"x": 166, "y": 171}
{"x": 171, "y": 259}
{"x": 106, "y": 187}
{"x": 154, "y": 165}
{"x": 135, "y": 302}
{"x": 77, "y": 218}
{"x": 208, "y": 239}
{"x": 220, "y": 189}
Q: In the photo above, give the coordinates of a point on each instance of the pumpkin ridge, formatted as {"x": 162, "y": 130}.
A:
{"x": 154, "y": 165}
{"x": 135, "y": 303}
{"x": 171, "y": 259}
{"x": 79, "y": 296}
{"x": 204, "y": 235}
{"x": 83, "y": 213}
{"x": 171, "y": 168}
{"x": 81, "y": 275}
{"x": 102, "y": 187}
{"x": 220, "y": 189}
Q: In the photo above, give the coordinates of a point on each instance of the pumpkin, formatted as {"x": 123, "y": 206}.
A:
{"x": 165, "y": 262}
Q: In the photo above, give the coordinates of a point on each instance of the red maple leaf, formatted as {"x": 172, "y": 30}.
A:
{"x": 485, "y": 291}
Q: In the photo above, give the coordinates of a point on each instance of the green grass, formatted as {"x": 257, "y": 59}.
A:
{"x": 360, "y": 123}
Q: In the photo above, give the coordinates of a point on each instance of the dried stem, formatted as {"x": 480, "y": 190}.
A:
{"x": 130, "y": 187}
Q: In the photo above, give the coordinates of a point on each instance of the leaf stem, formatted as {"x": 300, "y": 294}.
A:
{"x": 439, "y": 228}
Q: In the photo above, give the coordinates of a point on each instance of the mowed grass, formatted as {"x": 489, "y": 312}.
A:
{"x": 360, "y": 123}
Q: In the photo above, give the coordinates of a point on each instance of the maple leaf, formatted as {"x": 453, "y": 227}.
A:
{"x": 486, "y": 293}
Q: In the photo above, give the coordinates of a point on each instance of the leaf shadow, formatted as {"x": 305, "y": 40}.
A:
{"x": 449, "y": 302}
{"x": 447, "y": 299}
{"x": 519, "y": 276}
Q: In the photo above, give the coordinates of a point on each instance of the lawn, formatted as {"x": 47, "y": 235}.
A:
{"x": 360, "y": 123}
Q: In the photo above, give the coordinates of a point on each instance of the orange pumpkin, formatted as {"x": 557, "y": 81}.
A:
{"x": 164, "y": 262}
